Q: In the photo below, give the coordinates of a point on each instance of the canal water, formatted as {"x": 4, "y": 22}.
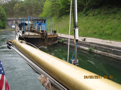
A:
{"x": 18, "y": 73}
{"x": 21, "y": 77}
{"x": 101, "y": 65}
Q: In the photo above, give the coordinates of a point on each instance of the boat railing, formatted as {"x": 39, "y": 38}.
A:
{"x": 28, "y": 25}
{"x": 61, "y": 73}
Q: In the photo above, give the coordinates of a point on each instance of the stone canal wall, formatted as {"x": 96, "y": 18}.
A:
{"x": 103, "y": 49}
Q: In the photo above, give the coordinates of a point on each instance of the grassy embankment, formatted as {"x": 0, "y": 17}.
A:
{"x": 103, "y": 23}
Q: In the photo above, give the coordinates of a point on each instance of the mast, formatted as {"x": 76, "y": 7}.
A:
{"x": 75, "y": 28}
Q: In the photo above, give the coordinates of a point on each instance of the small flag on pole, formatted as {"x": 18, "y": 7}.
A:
{"x": 3, "y": 82}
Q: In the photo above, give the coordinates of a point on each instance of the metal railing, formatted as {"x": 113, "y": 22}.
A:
{"x": 71, "y": 76}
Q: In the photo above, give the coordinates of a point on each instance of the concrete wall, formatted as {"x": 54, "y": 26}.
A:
{"x": 110, "y": 51}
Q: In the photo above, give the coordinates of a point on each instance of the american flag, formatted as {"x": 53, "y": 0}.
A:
{"x": 3, "y": 82}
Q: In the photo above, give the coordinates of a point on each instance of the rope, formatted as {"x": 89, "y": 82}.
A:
{"x": 48, "y": 82}
{"x": 31, "y": 44}
{"x": 74, "y": 52}
{"x": 69, "y": 31}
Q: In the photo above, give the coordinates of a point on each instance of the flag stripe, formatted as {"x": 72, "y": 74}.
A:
{"x": 1, "y": 82}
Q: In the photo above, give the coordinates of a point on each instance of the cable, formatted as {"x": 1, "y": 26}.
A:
{"x": 69, "y": 31}
{"x": 29, "y": 43}
{"x": 74, "y": 52}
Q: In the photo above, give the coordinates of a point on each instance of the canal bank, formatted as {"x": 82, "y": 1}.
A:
{"x": 7, "y": 29}
{"x": 104, "y": 47}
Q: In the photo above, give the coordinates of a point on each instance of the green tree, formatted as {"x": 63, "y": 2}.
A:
{"x": 3, "y": 18}
{"x": 33, "y": 7}
{"x": 46, "y": 9}
{"x": 55, "y": 8}
{"x": 64, "y": 7}
{"x": 16, "y": 8}
{"x": 8, "y": 7}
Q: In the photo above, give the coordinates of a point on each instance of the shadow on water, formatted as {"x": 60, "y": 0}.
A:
{"x": 95, "y": 63}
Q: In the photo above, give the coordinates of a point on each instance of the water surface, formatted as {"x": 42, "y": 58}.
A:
{"x": 95, "y": 63}
{"x": 18, "y": 73}
{"x": 21, "y": 77}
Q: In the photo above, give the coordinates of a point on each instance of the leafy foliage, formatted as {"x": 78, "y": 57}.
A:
{"x": 91, "y": 49}
{"x": 2, "y": 18}
{"x": 51, "y": 8}
{"x": 57, "y": 8}
{"x": 18, "y": 8}
{"x": 64, "y": 7}
{"x": 46, "y": 9}
{"x": 62, "y": 40}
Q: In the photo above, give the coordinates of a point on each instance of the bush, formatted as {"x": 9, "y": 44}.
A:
{"x": 62, "y": 40}
{"x": 115, "y": 10}
{"x": 85, "y": 10}
{"x": 91, "y": 49}
{"x": 3, "y": 18}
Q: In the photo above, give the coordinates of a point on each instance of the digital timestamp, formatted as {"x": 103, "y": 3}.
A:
{"x": 97, "y": 77}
